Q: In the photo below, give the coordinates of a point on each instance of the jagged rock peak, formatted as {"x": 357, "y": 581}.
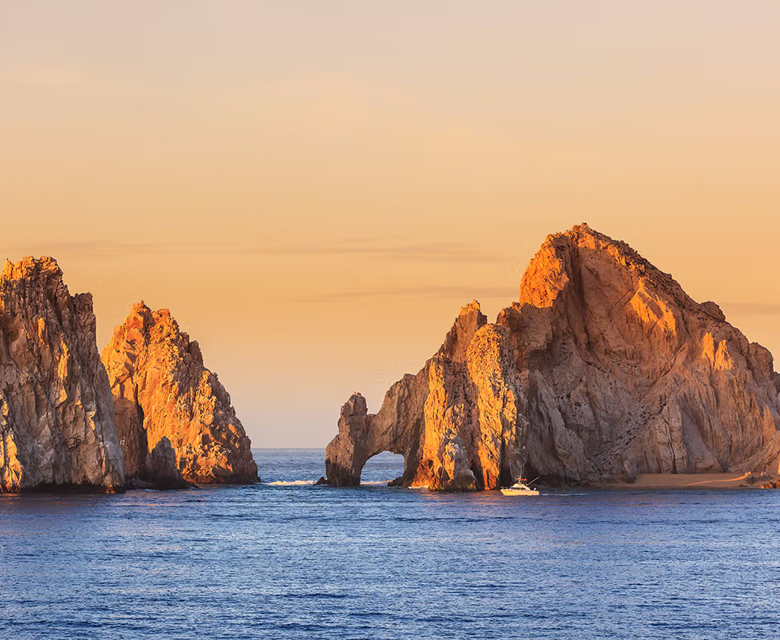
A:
{"x": 456, "y": 422}
{"x": 162, "y": 389}
{"x": 550, "y": 269}
{"x": 56, "y": 412}
{"x": 604, "y": 368}
{"x": 469, "y": 321}
{"x": 628, "y": 374}
{"x": 28, "y": 267}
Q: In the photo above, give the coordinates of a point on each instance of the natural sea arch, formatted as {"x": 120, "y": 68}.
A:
{"x": 383, "y": 467}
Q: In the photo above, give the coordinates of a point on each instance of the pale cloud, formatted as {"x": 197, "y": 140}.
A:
{"x": 460, "y": 292}
{"x": 398, "y": 249}
{"x": 751, "y": 308}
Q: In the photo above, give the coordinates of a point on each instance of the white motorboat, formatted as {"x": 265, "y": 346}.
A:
{"x": 520, "y": 488}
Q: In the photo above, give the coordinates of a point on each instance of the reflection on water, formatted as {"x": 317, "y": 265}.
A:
{"x": 294, "y": 560}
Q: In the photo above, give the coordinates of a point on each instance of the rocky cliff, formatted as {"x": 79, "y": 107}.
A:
{"x": 162, "y": 390}
{"x": 605, "y": 368}
{"x": 459, "y": 423}
{"x": 627, "y": 374}
{"x": 56, "y": 411}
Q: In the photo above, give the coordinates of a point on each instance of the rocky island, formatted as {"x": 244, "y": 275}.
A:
{"x": 56, "y": 410}
{"x": 604, "y": 369}
{"x": 163, "y": 391}
{"x": 157, "y": 419}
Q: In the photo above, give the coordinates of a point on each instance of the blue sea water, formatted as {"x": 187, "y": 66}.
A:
{"x": 300, "y": 561}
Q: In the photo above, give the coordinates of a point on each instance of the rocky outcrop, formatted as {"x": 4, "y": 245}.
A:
{"x": 605, "y": 368}
{"x": 627, "y": 374}
{"x": 458, "y": 422}
{"x": 56, "y": 412}
{"x": 161, "y": 472}
{"x": 162, "y": 390}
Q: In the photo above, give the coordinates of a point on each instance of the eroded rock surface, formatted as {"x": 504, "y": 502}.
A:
{"x": 161, "y": 469}
{"x": 162, "y": 390}
{"x": 457, "y": 423}
{"x": 56, "y": 412}
{"x": 627, "y": 374}
{"x": 604, "y": 369}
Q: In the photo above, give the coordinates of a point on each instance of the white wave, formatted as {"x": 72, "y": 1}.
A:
{"x": 304, "y": 483}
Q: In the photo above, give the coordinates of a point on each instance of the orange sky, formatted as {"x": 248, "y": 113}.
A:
{"x": 315, "y": 188}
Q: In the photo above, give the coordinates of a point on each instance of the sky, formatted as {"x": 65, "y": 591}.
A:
{"x": 315, "y": 188}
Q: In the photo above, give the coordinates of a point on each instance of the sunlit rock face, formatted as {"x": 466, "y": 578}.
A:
{"x": 56, "y": 412}
{"x": 626, "y": 374}
{"x": 605, "y": 368}
{"x": 162, "y": 390}
{"x": 458, "y": 423}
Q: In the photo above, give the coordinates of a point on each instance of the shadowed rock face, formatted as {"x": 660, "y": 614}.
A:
{"x": 161, "y": 470}
{"x": 162, "y": 390}
{"x": 604, "y": 368}
{"x": 56, "y": 412}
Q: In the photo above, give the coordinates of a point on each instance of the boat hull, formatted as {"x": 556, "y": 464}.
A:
{"x": 520, "y": 492}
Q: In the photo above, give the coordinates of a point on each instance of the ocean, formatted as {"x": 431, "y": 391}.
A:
{"x": 285, "y": 559}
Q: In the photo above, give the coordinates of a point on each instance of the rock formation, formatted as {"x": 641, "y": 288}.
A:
{"x": 160, "y": 471}
{"x": 162, "y": 390}
{"x": 56, "y": 411}
{"x": 627, "y": 374}
{"x": 458, "y": 423}
{"x": 605, "y": 368}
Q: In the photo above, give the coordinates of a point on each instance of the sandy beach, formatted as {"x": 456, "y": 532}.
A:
{"x": 694, "y": 481}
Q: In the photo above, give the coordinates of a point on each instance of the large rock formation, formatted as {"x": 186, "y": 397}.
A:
{"x": 162, "y": 390}
{"x": 458, "y": 423}
{"x": 626, "y": 374}
{"x": 604, "y": 369}
{"x": 56, "y": 411}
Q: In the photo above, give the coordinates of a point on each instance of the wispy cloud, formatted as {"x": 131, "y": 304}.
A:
{"x": 381, "y": 249}
{"x": 751, "y": 308}
{"x": 371, "y": 248}
{"x": 460, "y": 292}
{"x": 103, "y": 248}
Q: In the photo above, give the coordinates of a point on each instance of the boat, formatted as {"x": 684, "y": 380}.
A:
{"x": 520, "y": 488}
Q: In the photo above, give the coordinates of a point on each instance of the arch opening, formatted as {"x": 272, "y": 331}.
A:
{"x": 382, "y": 468}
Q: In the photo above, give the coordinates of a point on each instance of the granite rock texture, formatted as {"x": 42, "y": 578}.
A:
{"x": 162, "y": 390}
{"x": 57, "y": 425}
{"x": 626, "y": 374}
{"x": 457, "y": 423}
{"x": 604, "y": 369}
